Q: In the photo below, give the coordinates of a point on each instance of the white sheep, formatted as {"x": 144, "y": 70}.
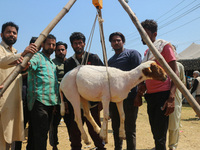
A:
{"x": 91, "y": 83}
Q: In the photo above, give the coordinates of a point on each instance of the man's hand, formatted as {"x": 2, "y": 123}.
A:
{"x": 140, "y": 92}
{"x": 18, "y": 61}
{"x": 30, "y": 49}
{"x": 141, "y": 88}
{"x": 27, "y": 66}
{"x": 138, "y": 100}
{"x": 169, "y": 105}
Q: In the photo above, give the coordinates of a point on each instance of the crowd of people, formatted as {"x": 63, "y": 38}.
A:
{"x": 38, "y": 102}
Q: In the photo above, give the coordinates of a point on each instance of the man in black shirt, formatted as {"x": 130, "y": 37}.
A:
{"x": 77, "y": 40}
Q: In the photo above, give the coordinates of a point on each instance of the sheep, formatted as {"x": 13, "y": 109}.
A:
{"x": 98, "y": 83}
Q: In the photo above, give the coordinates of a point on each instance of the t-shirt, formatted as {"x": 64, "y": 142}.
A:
{"x": 154, "y": 86}
{"x": 126, "y": 61}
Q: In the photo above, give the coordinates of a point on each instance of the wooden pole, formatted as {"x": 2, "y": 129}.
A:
{"x": 160, "y": 59}
{"x": 38, "y": 42}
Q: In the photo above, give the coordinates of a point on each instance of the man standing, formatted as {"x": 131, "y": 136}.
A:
{"x": 196, "y": 86}
{"x": 159, "y": 95}
{"x": 42, "y": 93}
{"x": 11, "y": 109}
{"x": 175, "y": 117}
{"x": 60, "y": 53}
{"x": 125, "y": 60}
{"x": 77, "y": 40}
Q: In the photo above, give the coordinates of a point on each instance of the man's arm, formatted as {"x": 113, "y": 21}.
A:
{"x": 169, "y": 104}
{"x": 14, "y": 59}
{"x": 6, "y": 61}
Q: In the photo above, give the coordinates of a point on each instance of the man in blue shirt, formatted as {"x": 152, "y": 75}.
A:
{"x": 124, "y": 59}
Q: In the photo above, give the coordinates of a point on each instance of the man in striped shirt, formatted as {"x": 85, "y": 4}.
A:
{"x": 42, "y": 93}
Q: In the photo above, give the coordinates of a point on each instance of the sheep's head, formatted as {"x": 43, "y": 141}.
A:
{"x": 154, "y": 71}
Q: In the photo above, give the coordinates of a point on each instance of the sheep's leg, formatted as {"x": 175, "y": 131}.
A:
{"x": 62, "y": 105}
{"x": 122, "y": 118}
{"x": 88, "y": 115}
{"x": 77, "y": 114}
{"x": 74, "y": 99}
{"x": 104, "y": 128}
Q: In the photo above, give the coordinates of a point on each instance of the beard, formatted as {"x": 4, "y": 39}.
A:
{"x": 48, "y": 51}
{"x": 61, "y": 56}
{"x": 9, "y": 41}
{"x": 79, "y": 51}
{"x": 117, "y": 47}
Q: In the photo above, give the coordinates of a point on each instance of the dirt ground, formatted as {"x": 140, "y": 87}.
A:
{"x": 189, "y": 133}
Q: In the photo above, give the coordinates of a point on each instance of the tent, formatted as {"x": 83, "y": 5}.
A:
{"x": 192, "y": 52}
{"x": 190, "y": 58}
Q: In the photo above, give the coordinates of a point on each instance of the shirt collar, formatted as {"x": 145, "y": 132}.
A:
{"x": 46, "y": 57}
{"x": 77, "y": 62}
{"x": 7, "y": 47}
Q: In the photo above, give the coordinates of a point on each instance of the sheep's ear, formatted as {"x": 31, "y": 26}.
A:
{"x": 154, "y": 67}
{"x": 147, "y": 71}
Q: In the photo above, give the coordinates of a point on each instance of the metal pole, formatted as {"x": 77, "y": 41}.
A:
{"x": 160, "y": 59}
{"x": 38, "y": 42}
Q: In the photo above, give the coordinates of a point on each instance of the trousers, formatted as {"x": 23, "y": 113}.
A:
{"x": 174, "y": 121}
{"x": 40, "y": 118}
{"x": 158, "y": 121}
{"x": 130, "y": 124}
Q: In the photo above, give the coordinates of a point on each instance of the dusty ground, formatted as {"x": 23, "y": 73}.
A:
{"x": 189, "y": 133}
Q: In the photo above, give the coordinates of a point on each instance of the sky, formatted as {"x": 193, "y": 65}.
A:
{"x": 178, "y": 21}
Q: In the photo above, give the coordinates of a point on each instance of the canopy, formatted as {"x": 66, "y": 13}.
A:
{"x": 192, "y": 52}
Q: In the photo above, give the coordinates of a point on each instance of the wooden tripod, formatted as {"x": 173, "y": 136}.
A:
{"x": 143, "y": 34}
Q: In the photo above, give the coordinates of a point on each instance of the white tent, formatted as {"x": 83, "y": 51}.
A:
{"x": 192, "y": 52}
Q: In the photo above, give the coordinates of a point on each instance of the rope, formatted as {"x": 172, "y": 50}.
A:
{"x": 100, "y": 20}
{"x": 103, "y": 46}
{"x": 89, "y": 42}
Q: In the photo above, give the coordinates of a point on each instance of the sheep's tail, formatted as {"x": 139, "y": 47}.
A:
{"x": 62, "y": 105}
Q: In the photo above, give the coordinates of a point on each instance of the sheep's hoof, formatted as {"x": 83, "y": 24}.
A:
{"x": 106, "y": 140}
{"x": 123, "y": 138}
{"x": 87, "y": 142}
{"x": 85, "y": 138}
{"x": 122, "y": 135}
{"x": 102, "y": 135}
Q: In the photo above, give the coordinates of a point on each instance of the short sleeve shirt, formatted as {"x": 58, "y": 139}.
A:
{"x": 154, "y": 86}
{"x": 126, "y": 61}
